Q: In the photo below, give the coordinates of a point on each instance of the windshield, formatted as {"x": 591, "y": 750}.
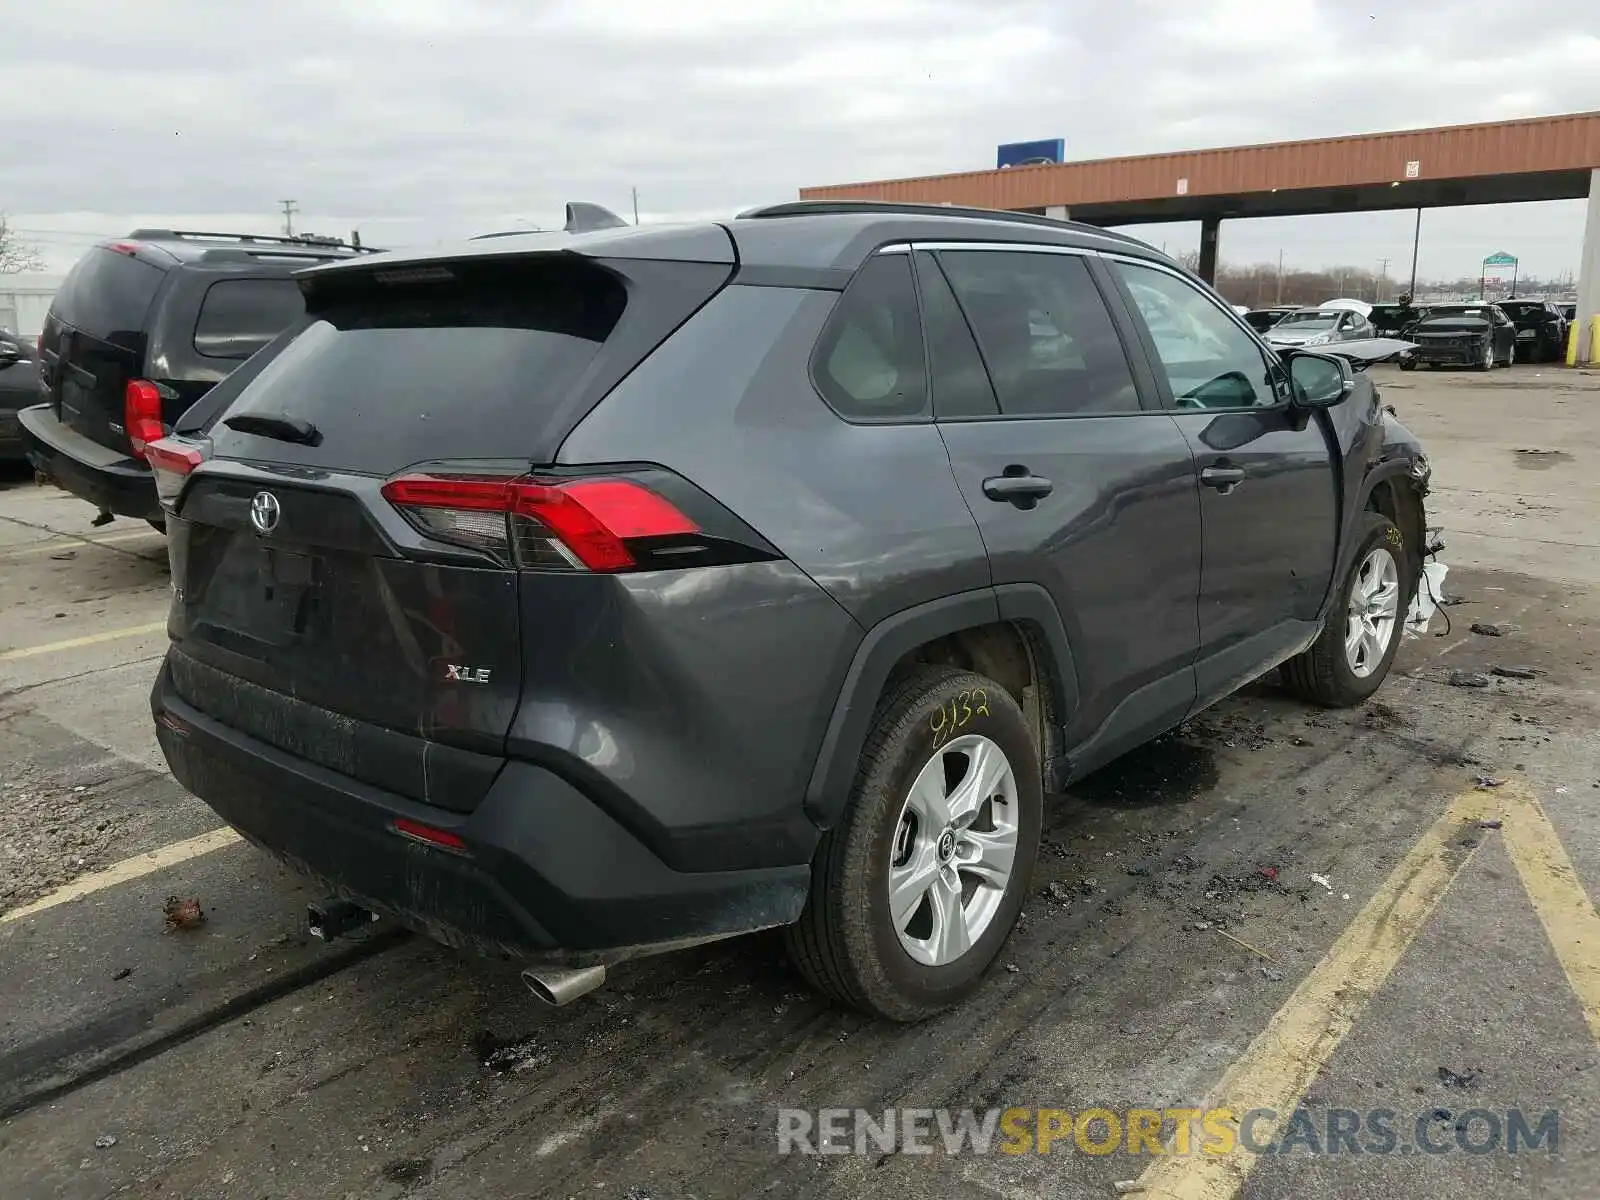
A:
{"x": 1309, "y": 322}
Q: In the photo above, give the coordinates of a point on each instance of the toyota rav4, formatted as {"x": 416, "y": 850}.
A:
{"x": 579, "y": 596}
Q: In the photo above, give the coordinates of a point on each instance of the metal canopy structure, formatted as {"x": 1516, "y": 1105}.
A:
{"x": 1541, "y": 158}
{"x": 1498, "y": 162}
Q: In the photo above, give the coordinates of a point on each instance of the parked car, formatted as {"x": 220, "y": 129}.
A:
{"x": 574, "y": 597}
{"x": 1469, "y": 335}
{"x": 19, "y": 387}
{"x": 1263, "y": 319}
{"x": 1541, "y": 329}
{"x": 1569, "y": 312}
{"x": 1319, "y": 326}
{"x": 1392, "y": 319}
{"x": 140, "y": 329}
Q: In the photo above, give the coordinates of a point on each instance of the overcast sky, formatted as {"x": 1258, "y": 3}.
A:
{"x": 418, "y": 120}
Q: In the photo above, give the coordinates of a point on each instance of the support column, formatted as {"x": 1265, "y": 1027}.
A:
{"x": 1210, "y": 236}
{"x": 1589, "y": 277}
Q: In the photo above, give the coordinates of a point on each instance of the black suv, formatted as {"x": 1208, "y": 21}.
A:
{"x": 1541, "y": 329}
{"x": 19, "y": 387}
{"x": 576, "y": 597}
{"x": 141, "y": 328}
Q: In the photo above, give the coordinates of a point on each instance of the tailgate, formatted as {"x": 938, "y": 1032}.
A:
{"x": 319, "y": 608}
{"x": 318, "y": 636}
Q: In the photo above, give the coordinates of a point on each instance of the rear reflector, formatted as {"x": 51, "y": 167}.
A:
{"x": 171, "y": 460}
{"x": 141, "y": 414}
{"x": 576, "y": 524}
{"x": 427, "y": 834}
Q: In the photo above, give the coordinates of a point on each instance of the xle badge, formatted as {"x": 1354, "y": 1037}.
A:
{"x": 466, "y": 674}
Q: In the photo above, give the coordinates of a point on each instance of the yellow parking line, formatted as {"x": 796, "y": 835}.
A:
{"x": 109, "y": 635}
{"x": 1565, "y": 910}
{"x": 1276, "y": 1069}
{"x": 129, "y": 868}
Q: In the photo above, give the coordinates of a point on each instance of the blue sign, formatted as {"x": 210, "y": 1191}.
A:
{"x": 1024, "y": 154}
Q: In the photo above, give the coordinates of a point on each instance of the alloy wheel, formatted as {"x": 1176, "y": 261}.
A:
{"x": 954, "y": 850}
{"x": 1373, "y": 612}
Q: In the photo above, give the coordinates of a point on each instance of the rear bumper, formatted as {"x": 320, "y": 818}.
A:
{"x": 547, "y": 876}
{"x": 87, "y": 469}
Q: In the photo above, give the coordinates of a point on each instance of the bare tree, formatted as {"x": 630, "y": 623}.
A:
{"x": 15, "y": 254}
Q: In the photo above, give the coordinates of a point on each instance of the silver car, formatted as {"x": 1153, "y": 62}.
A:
{"x": 1319, "y": 326}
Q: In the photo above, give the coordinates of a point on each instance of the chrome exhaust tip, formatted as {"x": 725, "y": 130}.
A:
{"x": 556, "y": 986}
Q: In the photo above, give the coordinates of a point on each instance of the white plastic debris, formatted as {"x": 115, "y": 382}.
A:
{"x": 1430, "y": 590}
{"x": 1322, "y": 881}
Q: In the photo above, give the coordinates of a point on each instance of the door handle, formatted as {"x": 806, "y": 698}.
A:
{"x": 1018, "y": 486}
{"x": 1224, "y": 479}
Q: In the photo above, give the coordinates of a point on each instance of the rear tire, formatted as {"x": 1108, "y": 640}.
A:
{"x": 1333, "y": 674}
{"x": 931, "y": 730}
{"x": 1408, "y": 364}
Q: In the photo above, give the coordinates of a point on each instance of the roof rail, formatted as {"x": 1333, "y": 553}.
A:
{"x": 245, "y": 239}
{"x": 266, "y": 254}
{"x": 819, "y": 208}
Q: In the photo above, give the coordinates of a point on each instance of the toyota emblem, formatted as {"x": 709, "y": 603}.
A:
{"x": 264, "y": 512}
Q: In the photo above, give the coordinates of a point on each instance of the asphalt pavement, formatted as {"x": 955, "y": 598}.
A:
{"x": 1335, "y": 915}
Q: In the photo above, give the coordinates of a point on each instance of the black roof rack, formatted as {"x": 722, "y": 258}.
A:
{"x": 298, "y": 240}
{"x": 820, "y": 208}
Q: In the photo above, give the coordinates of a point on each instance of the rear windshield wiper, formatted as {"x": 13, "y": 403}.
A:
{"x": 283, "y": 428}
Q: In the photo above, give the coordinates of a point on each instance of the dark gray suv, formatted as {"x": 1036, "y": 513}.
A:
{"x": 575, "y": 597}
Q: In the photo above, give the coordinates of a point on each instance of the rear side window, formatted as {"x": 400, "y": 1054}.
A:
{"x": 239, "y": 316}
{"x": 423, "y": 369}
{"x": 869, "y": 362}
{"x": 107, "y": 295}
{"x": 1045, "y": 332}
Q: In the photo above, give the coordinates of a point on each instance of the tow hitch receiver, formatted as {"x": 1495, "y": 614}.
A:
{"x": 334, "y": 918}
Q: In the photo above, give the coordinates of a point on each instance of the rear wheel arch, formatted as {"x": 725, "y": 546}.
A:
{"x": 1013, "y": 635}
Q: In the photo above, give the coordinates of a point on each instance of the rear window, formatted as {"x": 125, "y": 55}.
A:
{"x": 423, "y": 369}
{"x": 239, "y": 316}
{"x": 107, "y": 296}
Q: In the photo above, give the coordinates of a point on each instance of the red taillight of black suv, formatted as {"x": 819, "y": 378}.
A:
{"x": 141, "y": 414}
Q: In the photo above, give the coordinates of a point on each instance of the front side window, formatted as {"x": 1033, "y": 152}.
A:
{"x": 1049, "y": 342}
{"x": 1209, "y": 361}
{"x": 869, "y": 362}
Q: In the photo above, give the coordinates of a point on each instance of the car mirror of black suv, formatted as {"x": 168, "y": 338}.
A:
{"x": 10, "y": 354}
{"x": 1320, "y": 381}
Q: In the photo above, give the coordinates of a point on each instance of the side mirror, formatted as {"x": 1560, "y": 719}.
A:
{"x": 10, "y": 355}
{"x": 1320, "y": 381}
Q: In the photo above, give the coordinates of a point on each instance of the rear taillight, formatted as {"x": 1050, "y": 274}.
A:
{"x": 141, "y": 414}
{"x": 171, "y": 460}
{"x": 573, "y": 524}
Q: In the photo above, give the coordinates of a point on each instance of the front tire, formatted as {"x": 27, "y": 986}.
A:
{"x": 1352, "y": 655}
{"x": 1408, "y": 364}
{"x": 917, "y": 888}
